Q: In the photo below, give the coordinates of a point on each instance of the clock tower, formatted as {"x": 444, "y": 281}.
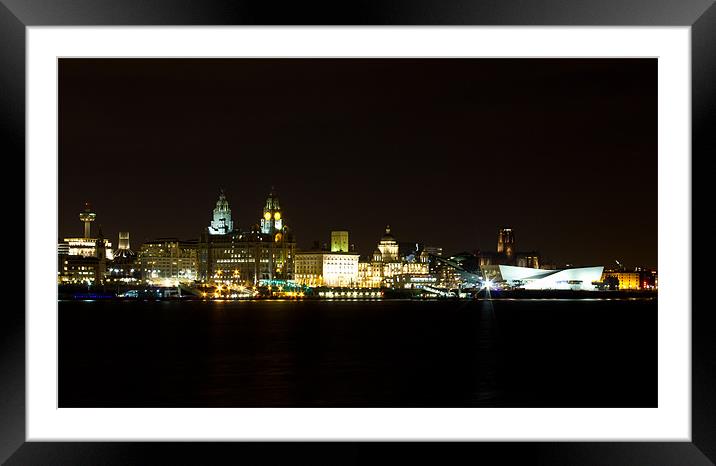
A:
{"x": 272, "y": 220}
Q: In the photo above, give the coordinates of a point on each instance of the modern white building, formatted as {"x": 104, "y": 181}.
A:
{"x": 582, "y": 278}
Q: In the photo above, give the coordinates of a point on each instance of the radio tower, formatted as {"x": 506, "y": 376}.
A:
{"x": 87, "y": 217}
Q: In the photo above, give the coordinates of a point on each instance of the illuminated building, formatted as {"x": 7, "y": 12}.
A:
{"x": 456, "y": 271}
{"x": 221, "y": 222}
{"x": 85, "y": 246}
{"x": 581, "y": 278}
{"x": 649, "y": 280}
{"x": 434, "y": 250}
{"x": 324, "y": 268}
{"x": 506, "y": 242}
{"x": 124, "y": 267}
{"x": 168, "y": 261}
{"x": 386, "y": 264}
{"x": 80, "y": 269}
{"x": 271, "y": 222}
{"x": 388, "y": 247}
{"x": 238, "y": 257}
{"x": 123, "y": 243}
{"x": 87, "y": 217}
{"x": 507, "y": 253}
{"x": 627, "y": 280}
{"x": 339, "y": 241}
{"x": 75, "y": 268}
{"x": 528, "y": 259}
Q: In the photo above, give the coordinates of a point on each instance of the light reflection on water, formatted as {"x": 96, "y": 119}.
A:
{"x": 357, "y": 353}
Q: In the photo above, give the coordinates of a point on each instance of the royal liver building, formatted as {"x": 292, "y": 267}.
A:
{"x": 263, "y": 252}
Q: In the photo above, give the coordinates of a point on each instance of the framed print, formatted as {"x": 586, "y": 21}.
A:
{"x": 415, "y": 223}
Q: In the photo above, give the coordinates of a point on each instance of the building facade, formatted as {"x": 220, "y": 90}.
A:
{"x": 324, "y": 268}
{"x": 339, "y": 241}
{"x": 579, "y": 278}
{"x": 221, "y": 221}
{"x": 506, "y": 242}
{"x": 265, "y": 252}
{"x": 124, "y": 267}
{"x": 75, "y": 268}
{"x": 85, "y": 245}
{"x": 384, "y": 267}
{"x": 627, "y": 280}
{"x": 168, "y": 261}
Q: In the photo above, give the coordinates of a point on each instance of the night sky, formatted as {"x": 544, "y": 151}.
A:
{"x": 446, "y": 151}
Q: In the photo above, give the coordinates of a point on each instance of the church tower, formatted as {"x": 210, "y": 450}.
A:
{"x": 506, "y": 242}
{"x": 272, "y": 222}
{"x": 221, "y": 223}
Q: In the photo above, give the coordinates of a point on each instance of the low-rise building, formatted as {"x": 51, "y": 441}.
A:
{"x": 627, "y": 280}
{"x": 81, "y": 270}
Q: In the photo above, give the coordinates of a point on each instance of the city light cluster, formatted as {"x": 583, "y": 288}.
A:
{"x": 228, "y": 262}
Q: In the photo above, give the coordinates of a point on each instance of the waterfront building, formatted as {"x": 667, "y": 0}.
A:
{"x": 272, "y": 220}
{"x": 168, "y": 261}
{"x": 86, "y": 245}
{"x": 80, "y": 270}
{"x": 627, "y": 280}
{"x": 455, "y": 272}
{"x": 578, "y": 278}
{"x": 386, "y": 264}
{"x": 221, "y": 221}
{"x": 124, "y": 266}
{"x": 76, "y": 269}
{"x": 335, "y": 268}
{"x": 649, "y": 279}
{"x": 265, "y": 252}
{"x": 322, "y": 268}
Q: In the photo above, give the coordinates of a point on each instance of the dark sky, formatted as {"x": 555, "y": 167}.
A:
{"x": 564, "y": 151}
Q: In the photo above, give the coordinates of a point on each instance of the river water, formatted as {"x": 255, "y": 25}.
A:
{"x": 387, "y": 353}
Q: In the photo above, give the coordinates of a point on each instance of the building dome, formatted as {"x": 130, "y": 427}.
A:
{"x": 387, "y": 236}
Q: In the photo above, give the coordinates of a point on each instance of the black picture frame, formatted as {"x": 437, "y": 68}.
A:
{"x": 700, "y": 15}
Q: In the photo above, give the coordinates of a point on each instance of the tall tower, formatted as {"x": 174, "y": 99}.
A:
{"x": 221, "y": 223}
{"x": 123, "y": 240}
{"x": 506, "y": 242}
{"x": 339, "y": 241}
{"x": 271, "y": 222}
{"x": 87, "y": 216}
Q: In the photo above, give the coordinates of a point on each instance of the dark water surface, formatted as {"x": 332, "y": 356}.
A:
{"x": 528, "y": 353}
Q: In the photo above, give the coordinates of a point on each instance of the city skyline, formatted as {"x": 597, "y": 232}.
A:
{"x": 89, "y": 231}
{"x": 430, "y": 148}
